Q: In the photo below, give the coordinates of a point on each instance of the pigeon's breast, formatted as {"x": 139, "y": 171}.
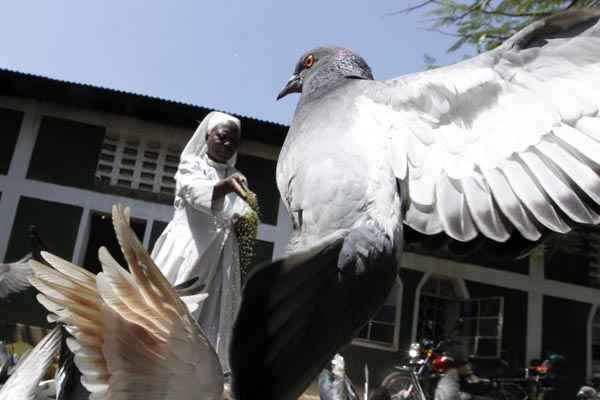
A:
{"x": 331, "y": 171}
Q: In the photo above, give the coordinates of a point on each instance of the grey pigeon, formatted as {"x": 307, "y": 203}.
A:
{"x": 504, "y": 144}
{"x": 334, "y": 384}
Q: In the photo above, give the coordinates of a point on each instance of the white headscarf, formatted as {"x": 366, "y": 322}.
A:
{"x": 195, "y": 150}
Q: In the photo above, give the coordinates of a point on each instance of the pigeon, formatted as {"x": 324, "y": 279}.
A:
{"x": 25, "y": 382}
{"x": 504, "y": 144}
{"x": 132, "y": 335}
{"x": 334, "y": 384}
{"x": 14, "y": 276}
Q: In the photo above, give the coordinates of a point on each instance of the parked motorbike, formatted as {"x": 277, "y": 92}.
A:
{"x": 430, "y": 372}
{"x": 540, "y": 377}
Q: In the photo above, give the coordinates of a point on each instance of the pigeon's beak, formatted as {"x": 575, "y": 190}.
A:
{"x": 294, "y": 85}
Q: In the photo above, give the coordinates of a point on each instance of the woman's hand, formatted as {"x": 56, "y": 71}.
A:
{"x": 235, "y": 183}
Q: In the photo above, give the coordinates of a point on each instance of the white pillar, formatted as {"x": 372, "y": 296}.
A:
{"x": 25, "y": 145}
{"x": 535, "y": 305}
{"x": 83, "y": 234}
{"x": 147, "y": 234}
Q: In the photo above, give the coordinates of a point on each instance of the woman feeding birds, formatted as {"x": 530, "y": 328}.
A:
{"x": 200, "y": 241}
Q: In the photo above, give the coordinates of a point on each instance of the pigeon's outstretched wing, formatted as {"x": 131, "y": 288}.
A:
{"x": 507, "y": 140}
{"x": 281, "y": 338}
{"x": 14, "y": 277}
{"x": 23, "y": 383}
{"x": 134, "y": 337}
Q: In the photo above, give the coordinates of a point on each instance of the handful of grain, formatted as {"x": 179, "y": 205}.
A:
{"x": 246, "y": 229}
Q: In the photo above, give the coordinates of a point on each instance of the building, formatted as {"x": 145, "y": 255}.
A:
{"x": 68, "y": 152}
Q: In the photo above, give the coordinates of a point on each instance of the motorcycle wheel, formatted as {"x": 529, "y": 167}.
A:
{"x": 403, "y": 385}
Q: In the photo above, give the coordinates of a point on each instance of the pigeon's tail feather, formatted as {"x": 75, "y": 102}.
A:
{"x": 295, "y": 314}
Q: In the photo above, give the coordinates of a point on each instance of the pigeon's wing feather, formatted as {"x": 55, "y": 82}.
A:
{"x": 23, "y": 383}
{"x": 506, "y": 141}
{"x": 279, "y": 341}
{"x": 133, "y": 336}
{"x": 14, "y": 277}
{"x": 281, "y": 312}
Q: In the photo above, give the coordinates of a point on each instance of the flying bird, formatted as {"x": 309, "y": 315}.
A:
{"x": 25, "y": 381}
{"x": 14, "y": 276}
{"x": 133, "y": 336}
{"x": 504, "y": 144}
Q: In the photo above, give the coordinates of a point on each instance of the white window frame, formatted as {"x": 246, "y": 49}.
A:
{"x": 380, "y": 345}
{"x": 500, "y": 317}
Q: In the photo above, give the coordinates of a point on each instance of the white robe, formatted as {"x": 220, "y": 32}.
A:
{"x": 200, "y": 242}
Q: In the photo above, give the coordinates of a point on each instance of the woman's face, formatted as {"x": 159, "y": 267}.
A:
{"x": 222, "y": 142}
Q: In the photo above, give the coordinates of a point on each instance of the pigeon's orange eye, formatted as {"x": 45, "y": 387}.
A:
{"x": 309, "y": 61}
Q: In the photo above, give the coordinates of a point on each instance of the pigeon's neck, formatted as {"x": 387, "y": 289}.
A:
{"x": 330, "y": 77}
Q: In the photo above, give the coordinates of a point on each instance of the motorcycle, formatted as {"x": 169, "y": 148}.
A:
{"x": 431, "y": 373}
{"x": 540, "y": 377}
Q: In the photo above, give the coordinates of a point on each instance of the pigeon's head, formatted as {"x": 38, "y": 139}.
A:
{"x": 323, "y": 68}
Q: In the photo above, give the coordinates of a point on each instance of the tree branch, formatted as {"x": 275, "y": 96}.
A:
{"x": 411, "y": 8}
{"x": 519, "y": 15}
{"x": 470, "y": 35}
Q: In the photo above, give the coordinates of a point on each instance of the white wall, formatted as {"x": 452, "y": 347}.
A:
{"x": 15, "y": 184}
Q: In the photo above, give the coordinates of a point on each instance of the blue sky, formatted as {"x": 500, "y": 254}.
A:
{"x": 233, "y": 55}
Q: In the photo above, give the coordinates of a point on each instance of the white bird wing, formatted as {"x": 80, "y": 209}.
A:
{"x": 508, "y": 139}
{"x": 23, "y": 383}
{"x": 14, "y": 277}
{"x": 134, "y": 337}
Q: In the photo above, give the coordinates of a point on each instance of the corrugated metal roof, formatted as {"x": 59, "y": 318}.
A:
{"x": 20, "y": 84}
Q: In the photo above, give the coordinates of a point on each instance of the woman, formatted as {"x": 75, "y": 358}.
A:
{"x": 200, "y": 242}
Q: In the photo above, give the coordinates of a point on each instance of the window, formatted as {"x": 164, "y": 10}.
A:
{"x": 574, "y": 257}
{"x": 10, "y": 124}
{"x": 134, "y": 163}
{"x": 477, "y": 323}
{"x": 65, "y": 153}
{"x": 57, "y": 223}
{"x": 264, "y": 251}
{"x": 102, "y": 234}
{"x": 157, "y": 229}
{"x": 438, "y": 308}
{"x": 596, "y": 344}
{"x": 382, "y": 331}
{"x": 261, "y": 179}
{"x": 481, "y": 329}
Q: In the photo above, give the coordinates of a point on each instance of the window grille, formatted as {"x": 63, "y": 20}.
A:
{"x": 481, "y": 330}
{"x": 136, "y": 163}
{"x": 438, "y": 308}
{"x": 383, "y": 329}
